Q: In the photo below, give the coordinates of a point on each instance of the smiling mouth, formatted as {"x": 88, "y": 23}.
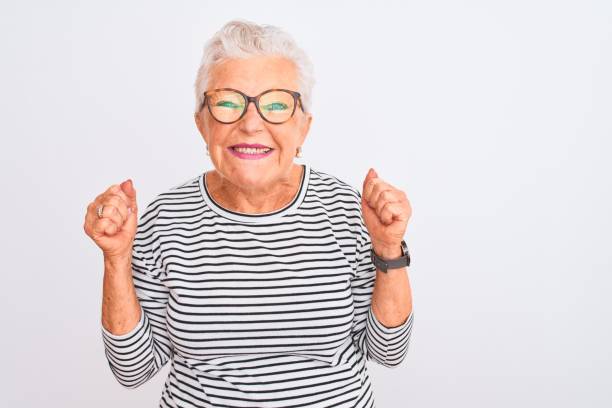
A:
{"x": 250, "y": 153}
{"x": 251, "y": 150}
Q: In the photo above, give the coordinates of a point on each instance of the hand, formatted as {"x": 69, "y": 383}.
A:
{"x": 114, "y": 233}
{"x": 386, "y": 211}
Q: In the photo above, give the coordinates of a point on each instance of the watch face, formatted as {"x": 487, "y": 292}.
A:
{"x": 406, "y": 253}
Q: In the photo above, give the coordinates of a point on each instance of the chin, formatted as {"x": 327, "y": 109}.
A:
{"x": 252, "y": 176}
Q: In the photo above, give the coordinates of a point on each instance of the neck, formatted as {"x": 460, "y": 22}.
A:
{"x": 254, "y": 201}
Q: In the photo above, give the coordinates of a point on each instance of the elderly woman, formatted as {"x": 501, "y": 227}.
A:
{"x": 264, "y": 283}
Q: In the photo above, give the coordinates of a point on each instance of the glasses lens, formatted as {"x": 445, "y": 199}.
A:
{"x": 276, "y": 106}
{"x": 225, "y": 106}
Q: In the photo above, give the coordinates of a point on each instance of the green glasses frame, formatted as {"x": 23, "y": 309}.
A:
{"x": 297, "y": 100}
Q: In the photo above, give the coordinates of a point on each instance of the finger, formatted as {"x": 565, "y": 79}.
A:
{"x": 366, "y": 182}
{"x": 392, "y": 211}
{"x": 115, "y": 200}
{"x": 370, "y": 189}
{"x": 385, "y": 216}
{"x": 111, "y": 212}
{"x": 90, "y": 216}
{"x": 128, "y": 190}
{"x": 111, "y": 189}
{"x": 368, "y": 186}
{"x": 382, "y": 192}
{"x": 127, "y": 199}
{"x": 368, "y": 177}
{"x": 105, "y": 226}
{"x": 114, "y": 208}
{"x": 93, "y": 206}
{"x": 121, "y": 213}
{"x": 86, "y": 222}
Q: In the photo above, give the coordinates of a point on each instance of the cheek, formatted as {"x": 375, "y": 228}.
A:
{"x": 286, "y": 151}
{"x": 219, "y": 136}
{"x": 286, "y": 143}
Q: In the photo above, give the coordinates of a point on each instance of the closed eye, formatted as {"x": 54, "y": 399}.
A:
{"x": 275, "y": 106}
{"x": 228, "y": 104}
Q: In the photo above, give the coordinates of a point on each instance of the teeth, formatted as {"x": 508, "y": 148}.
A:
{"x": 249, "y": 150}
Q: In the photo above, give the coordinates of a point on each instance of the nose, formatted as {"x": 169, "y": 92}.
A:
{"x": 251, "y": 122}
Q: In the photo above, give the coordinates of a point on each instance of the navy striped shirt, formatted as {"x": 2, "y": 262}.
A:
{"x": 256, "y": 310}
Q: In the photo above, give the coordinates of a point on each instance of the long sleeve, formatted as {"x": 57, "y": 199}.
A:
{"x": 385, "y": 345}
{"x": 137, "y": 356}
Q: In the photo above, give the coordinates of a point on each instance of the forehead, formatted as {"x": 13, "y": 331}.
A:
{"x": 254, "y": 75}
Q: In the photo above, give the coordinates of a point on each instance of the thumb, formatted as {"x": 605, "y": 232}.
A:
{"x": 128, "y": 188}
{"x": 371, "y": 174}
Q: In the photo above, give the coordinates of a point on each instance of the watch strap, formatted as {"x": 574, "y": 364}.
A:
{"x": 385, "y": 264}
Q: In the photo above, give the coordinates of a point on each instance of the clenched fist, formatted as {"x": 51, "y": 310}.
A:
{"x": 115, "y": 230}
{"x": 386, "y": 211}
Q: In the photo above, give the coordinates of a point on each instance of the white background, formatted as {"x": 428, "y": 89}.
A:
{"x": 494, "y": 117}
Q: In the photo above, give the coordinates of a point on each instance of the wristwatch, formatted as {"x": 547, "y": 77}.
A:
{"x": 384, "y": 264}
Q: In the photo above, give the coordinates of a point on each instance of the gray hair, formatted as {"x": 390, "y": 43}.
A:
{"x": 243, "y": 39}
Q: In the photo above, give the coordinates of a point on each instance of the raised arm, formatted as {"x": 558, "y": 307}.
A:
{"x": 386, "y": 345}
{"x": 134, "y": 298}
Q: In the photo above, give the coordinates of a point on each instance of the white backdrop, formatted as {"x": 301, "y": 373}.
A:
{"x": 494, "y": 117}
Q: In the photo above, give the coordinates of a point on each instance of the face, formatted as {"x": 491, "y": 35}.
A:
{"x": 253, "y": 76}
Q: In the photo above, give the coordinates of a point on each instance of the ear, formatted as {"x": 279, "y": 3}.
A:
{"x": 305, "y": 128}
{"x": 198, "y": 118}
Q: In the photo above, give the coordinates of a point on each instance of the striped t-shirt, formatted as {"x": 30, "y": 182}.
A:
{"x": 256, "y": 310}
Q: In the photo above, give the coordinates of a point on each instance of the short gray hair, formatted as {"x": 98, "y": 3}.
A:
{"x": 243, "y": 39}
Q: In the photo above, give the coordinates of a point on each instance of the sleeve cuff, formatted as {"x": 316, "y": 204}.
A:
{"x": 118, "y": 337}
{"x": 386, "y": 330}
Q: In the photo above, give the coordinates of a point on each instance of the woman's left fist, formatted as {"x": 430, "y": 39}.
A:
{"x": 386, "y": 211}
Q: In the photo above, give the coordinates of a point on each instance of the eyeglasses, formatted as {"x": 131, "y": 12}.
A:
{"x": 227, "y": 105}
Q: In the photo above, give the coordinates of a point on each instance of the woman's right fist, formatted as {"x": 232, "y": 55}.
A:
{"x": 115, "y": 230}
